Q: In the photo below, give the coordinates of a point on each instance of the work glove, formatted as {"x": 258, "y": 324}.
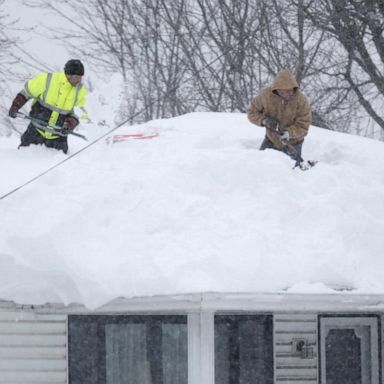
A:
{"x": 13, "y": 111}
{"x": 270, "y": 123}
{"x": 284, "y": 137}
{"x": 17, "y": 103}
{"x": 69, "y": 124}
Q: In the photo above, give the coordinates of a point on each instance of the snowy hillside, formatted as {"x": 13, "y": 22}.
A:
{"x": 197, "y": 208}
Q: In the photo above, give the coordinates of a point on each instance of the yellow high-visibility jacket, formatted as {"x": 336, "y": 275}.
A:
{"x": 54, "y": 98}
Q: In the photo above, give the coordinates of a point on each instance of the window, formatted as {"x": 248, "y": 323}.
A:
{"x": 243, "y": 349}
{"x": 133, "y": 349}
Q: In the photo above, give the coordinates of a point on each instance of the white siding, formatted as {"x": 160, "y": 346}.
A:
{"x": 289, "y": 367}
{"x": 382, "y": 349}
{"x": 33, "y": 348}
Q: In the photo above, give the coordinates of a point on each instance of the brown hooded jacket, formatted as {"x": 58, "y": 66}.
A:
{"x": 294, "y": 115}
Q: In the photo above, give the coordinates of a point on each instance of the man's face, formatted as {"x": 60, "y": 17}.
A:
{"x": 74, "y": 79}
{"x": 286, "y": 94}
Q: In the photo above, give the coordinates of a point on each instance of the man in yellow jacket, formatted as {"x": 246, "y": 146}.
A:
{"x": 55, "y": 95}
{"x": 285, "y": 112}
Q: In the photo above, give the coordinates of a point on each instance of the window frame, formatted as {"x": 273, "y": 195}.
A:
{"x": 101, "y": 320}
{"x": 200, "y": 336}
{"x": 264, "y": 319}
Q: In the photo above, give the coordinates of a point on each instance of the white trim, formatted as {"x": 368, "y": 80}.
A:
{"x": 242, "y": 302}
{"x": 266, "y": 302}
{"x": 194, "y": 349}
{"x": 207, "y": 337}
{"x": 67, "y": 348}
{"x": 274, "y": 348}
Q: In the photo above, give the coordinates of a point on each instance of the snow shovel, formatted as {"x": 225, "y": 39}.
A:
{"x": 300, "y": 162}
{"x": 50, "y": 128}
{"x": 304, "y": 165}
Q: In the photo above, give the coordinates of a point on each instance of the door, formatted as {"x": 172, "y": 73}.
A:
{"x": 349, "y": 350}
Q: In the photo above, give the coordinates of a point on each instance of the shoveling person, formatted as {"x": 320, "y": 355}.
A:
{"x": 286, "y": 114}
{"x": 55, "y": 95}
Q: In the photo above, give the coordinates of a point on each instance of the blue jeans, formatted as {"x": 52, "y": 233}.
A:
{"x": 295, "y": 155}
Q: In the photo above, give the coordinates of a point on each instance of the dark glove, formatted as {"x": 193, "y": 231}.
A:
{"x": 69, "y": 124}
{"x": 13, "y": 111}
{"x": 17, "y": 103}
{"x": 270, "y": 123}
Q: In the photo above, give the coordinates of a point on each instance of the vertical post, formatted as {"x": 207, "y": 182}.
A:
{"x": 201, "y": 358}
{"x": 194, "y": 369}
{"x": 207, "y": 348}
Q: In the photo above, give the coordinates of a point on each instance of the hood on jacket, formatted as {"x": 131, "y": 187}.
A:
{"x": 284, "y": 80}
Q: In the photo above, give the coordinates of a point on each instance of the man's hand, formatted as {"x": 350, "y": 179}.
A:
{"x": 69, "y": 124}
{"x": 65, "y": 129}
{"x": 284, "y": 137}
{"x": 17, "y": 103}
{"x": 270, "y": 123}
{"x": 13, "y": 111}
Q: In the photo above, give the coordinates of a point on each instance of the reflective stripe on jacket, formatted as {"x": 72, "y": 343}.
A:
{"x": 54, "y": 92}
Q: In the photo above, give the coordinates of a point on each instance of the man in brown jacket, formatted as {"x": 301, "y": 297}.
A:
{"x": 285, "y": 112}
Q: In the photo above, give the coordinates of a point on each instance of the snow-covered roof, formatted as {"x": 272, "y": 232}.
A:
{"x": 197, "y": 208}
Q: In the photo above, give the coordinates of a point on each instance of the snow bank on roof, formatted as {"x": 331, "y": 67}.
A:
{"x": 196, "y": 209}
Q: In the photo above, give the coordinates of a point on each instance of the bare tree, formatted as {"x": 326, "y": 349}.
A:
{"x": 177, "y": 56}
{"x": 358, "y": 26}
{"x": 161, "y": 64}
{"x": 239, "y": 46}
{"x": 230, "y": 27}
{"x": 7, "y": 72}
{"x": 129, "y": 37}
{"x": 288, "y": 40}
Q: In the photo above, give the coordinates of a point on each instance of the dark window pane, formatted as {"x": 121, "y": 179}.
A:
{"x": 85, "y": 367}
{"x": 343, "y": 357}
{"x": 128, "y": 350}
{"x": 243, "y": 349}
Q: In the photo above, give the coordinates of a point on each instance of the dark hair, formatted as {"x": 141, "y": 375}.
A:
{"x": 74, "y": 67}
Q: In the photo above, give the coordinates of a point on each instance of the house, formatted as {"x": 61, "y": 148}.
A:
{"x": 207, "y": 338}
{"x": 197, "y": 209}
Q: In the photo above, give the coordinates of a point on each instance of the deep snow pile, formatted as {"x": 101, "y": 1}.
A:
{"x": 197, "y": 208}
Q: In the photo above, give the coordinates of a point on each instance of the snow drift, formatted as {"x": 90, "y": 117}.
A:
{"x": 198, "y": 208}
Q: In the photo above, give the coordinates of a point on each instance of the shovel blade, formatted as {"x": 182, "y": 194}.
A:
{"x": 306, "y": 165}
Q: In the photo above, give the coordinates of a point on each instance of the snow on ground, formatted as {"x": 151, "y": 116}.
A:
{"x": 196, "y": 209}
